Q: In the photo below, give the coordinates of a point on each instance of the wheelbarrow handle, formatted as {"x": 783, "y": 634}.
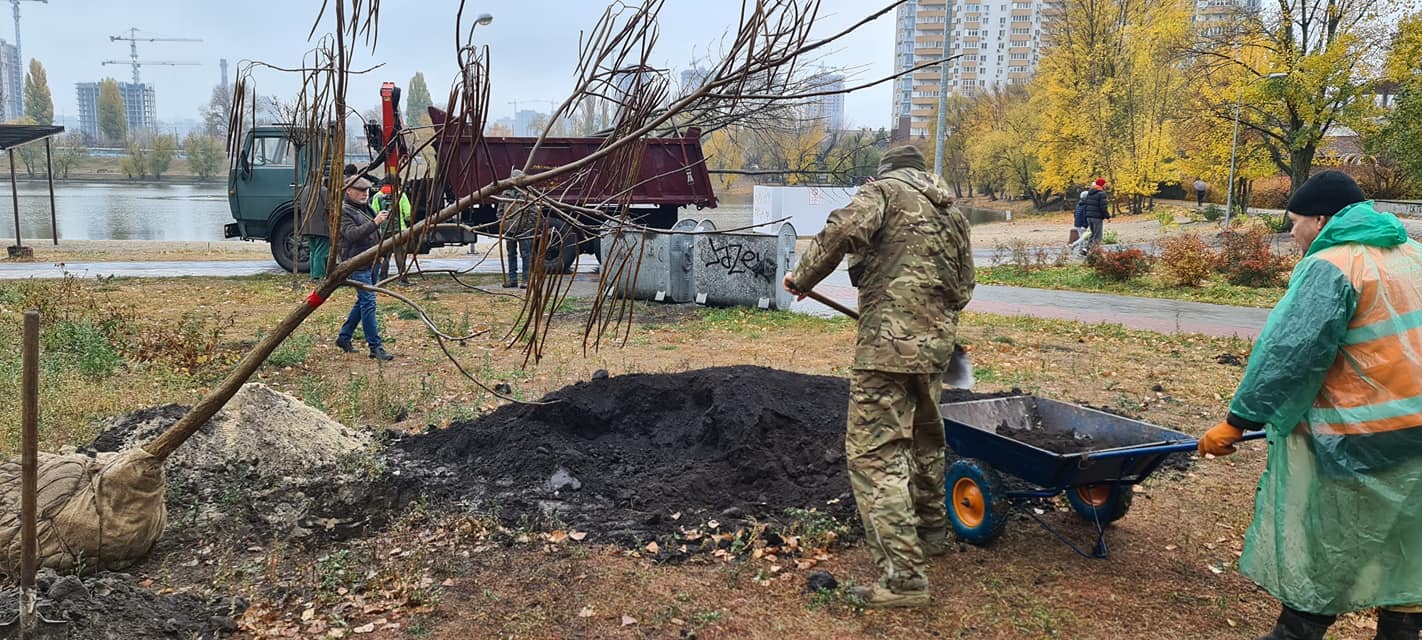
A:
{"x": 1182, "y": 447}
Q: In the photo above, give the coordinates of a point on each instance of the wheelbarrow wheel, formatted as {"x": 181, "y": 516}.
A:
{"x": 1104, "y": 503}
{"x": 976, "y": 505}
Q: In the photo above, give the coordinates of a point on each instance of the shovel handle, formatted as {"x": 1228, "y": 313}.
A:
{"x": 829, "y": 302}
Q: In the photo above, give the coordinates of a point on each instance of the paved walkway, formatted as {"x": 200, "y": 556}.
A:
{"x": 1150, "y": 314}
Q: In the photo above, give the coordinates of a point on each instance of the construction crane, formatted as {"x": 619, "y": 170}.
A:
{"x": 16, "y": 84}
{"x": 133, "y": 39}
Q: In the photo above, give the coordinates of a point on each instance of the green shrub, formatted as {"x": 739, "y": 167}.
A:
{"x": 88, "y": 347}
{"x": 1118, "y": 264}
{"x": 1212, "y": 212}
{"x": 1186, "y": 260}
{"x": 1110, "y": 237}
{"x": 1275, "y": 224}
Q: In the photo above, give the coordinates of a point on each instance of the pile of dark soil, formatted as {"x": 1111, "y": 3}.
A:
{"x": 113, "y": 605}
{"x": 1062, "y": 441}
{"x": 637, "y": 456}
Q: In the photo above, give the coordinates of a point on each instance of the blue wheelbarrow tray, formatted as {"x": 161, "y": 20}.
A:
{"x": 1099, "y": 457}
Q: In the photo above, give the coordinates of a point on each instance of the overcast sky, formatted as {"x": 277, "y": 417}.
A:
{"x": 534, "y": 46}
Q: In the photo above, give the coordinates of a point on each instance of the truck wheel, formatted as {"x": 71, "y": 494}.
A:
{"x": 284, "y": 247}
{"x": 562, "y": 247}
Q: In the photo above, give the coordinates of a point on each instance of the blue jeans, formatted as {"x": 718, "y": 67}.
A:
{"x": 362, "y": 312}
{"x": 516, "y": 249}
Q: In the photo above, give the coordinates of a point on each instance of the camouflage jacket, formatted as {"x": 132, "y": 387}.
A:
{"x": 912, "y": 263}
{"x": 520, "y": 216}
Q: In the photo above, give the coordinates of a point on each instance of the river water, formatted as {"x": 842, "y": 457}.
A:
{"x": 177, "y": 212}
{"x": 118, "y": 211}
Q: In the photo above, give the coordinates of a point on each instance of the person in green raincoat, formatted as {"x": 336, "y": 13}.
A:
{"x": 396, "y": 224}
{"x": 1335, "y": 379}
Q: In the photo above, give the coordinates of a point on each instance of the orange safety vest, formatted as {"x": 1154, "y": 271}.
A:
{"x": 1375, "y": 383}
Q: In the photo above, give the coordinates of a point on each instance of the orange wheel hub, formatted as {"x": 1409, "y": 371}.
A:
{"x": 1095, "y": 495}
{"x": 968, "y": 503}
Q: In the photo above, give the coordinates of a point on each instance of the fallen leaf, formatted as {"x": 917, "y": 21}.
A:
{"x": 1171, "y": 547}
{"x": 1231, "y": 622}
{"x": 653, "y": 548}
{"x": 577, "y": 536}
{"x": 586, "y": 612}
{"x": 628, "y": 620}
{"x": 713, "y": 524}
{"x": 677, "y": 621}
{"x": 365, "y": 628}
{"x": 557, "y": 536}
{"x": 676, "y": 516}
{"x": 308, "y": 614}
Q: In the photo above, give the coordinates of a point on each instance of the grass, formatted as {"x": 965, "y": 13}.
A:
{"x": 1024, "y": 587}
{"x": 1081, "y": 278}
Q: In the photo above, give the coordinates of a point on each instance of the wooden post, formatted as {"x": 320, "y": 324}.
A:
{"x": 49, "y": 173}
{"x": 15, "y": 197}
{"x": 29, "y": 463}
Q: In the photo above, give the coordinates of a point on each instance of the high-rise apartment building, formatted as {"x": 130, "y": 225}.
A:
{"x": 140, "y": 107}
{"x": 1000, "y": 43}
{"x": 826, "y": 110}
{"x": 1215, "y": 18}
{"x": 12, "y": 83}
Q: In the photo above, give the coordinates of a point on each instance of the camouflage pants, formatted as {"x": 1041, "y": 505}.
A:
{"x": 894, "y": 446}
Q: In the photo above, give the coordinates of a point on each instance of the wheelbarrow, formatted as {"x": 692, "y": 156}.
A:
{"x": 1097, "y": 458}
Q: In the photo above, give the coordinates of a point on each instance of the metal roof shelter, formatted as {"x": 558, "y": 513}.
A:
{"x": 15, "y": 135}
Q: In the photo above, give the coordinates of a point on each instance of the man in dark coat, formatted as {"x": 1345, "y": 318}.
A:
{"x": 360, "y": 230}
{"x": 1096, "y": 207}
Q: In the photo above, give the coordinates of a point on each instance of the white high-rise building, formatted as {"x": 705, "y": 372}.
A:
{"x": 1216, "y": 18}
{"x": 12, "y": 74}
{"x": 826, "y": 110}
{"x": 1000, "y": 43}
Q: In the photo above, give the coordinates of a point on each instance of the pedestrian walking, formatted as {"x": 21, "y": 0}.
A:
{"x": 1336, "y": 381}
{"x": 912, "y": 262}
{"x": 1096, "y": 209}
{"x": 1200, "y": 188}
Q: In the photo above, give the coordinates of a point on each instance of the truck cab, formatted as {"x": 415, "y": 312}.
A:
{"x": 261, "y": 191}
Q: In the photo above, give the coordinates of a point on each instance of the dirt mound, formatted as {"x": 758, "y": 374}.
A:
{"x": 274, "y": 433}
{"x": 636, "y": 456}
{"x": 113, "y": 605}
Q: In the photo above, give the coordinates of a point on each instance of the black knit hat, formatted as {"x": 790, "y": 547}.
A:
{"x": 903, "y": 156}
{"x": 1325, "y": 194}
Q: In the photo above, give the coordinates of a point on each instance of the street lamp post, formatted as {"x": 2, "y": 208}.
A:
{"x": 1234, "y": 143}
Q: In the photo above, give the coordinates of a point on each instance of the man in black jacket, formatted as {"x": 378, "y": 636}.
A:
{"x": 360, "y": 230}
{"x": 1096, "y": 208}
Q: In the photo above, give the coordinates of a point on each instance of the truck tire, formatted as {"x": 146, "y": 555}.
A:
{"x": 562, "y": 250}
{"x": 284, "y": 246}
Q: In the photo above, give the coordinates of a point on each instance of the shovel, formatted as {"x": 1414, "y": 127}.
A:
{"x": 960, "y": 369}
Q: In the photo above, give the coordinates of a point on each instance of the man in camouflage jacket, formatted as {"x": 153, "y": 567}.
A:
{"x": 911, "y": 260}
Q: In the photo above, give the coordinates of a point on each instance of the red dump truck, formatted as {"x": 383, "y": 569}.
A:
{"x": 671, "y": 174}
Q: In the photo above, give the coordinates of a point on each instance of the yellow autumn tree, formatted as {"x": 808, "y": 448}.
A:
{"x": 1302, "y": 69}
{"x": 1107, "y": 91}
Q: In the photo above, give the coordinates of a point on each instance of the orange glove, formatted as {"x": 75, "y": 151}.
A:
{"x": 1220, "y": 439}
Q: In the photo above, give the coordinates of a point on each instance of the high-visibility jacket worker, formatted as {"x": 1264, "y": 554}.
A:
{"x": 1336, "y": 380}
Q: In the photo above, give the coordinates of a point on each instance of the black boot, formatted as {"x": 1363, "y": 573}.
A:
{"x": 1396, "y": 625}
{"x": 345, "y": 345}
{"x": 1297, "y": 625}
{"x": 379, "y": 354}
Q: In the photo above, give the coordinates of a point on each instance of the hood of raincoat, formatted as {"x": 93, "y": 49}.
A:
{"x": 1361, "y": 224}
{"x": 932, "y": 187}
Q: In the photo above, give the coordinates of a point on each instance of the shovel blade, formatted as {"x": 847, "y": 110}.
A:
{"x": 960, "y": 370}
